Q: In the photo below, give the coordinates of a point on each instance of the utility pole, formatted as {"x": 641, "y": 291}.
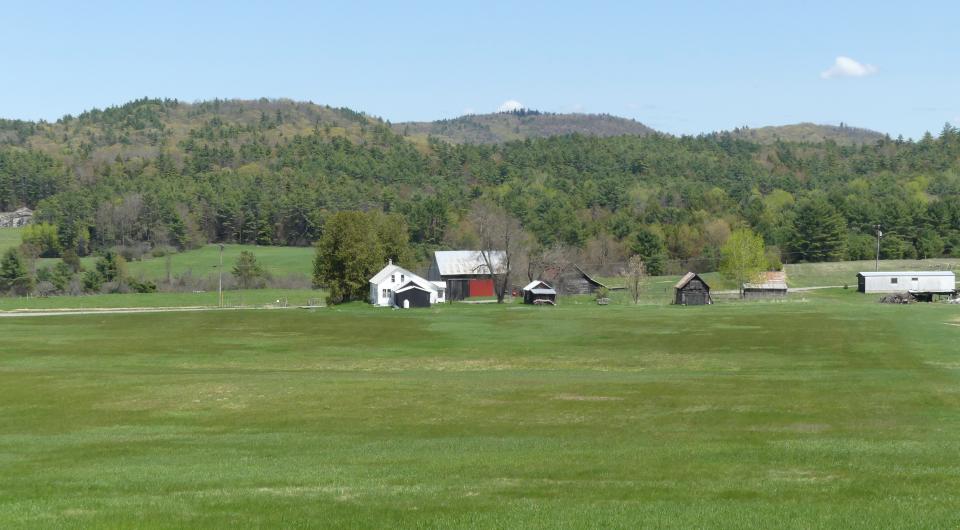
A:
{"x": 879, "y": 235}
{"x": 220, "y": 280}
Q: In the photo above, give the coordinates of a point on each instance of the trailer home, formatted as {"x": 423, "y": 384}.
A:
{"x": 933, "y": 282}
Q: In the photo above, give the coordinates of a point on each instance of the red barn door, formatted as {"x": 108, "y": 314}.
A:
{"x": 481, "y": 287}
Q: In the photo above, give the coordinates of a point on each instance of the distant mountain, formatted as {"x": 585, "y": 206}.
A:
{"x": 809, "y": 133}
{"x": 519, "y": 125}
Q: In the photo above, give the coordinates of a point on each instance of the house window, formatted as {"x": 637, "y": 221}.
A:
{"x": 401, "y": 278}
{"x": 893, "y": 280}
{"x": 393, "y": 278}
{"x": 386, "y": 293}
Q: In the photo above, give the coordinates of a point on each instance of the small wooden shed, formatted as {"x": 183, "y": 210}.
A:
{"x": 692, "y": 290}
{"x": 538, "y": 292}
{"x": 411, "y": 295}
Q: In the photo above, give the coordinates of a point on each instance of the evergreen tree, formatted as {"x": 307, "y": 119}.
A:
{"x": 351, "y": 251}
{"x": 248, "y": 272}
{"x": 14, "y": 276}
{"x": 818, "y": 232}
{"x": 651, "y": 249}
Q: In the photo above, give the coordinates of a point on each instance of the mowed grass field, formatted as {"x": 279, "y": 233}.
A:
{"x": 832, "y": 412}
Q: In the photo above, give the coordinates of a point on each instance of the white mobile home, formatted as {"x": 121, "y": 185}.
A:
{"x": 936, "y": 282}
{"x": 393, "y": 278}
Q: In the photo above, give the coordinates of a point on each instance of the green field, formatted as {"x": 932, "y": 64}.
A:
{"x": 833, "y": 412}
{"x": 238, "y": 298}
{"x": 202, "y": 262}
{"x": 9, "y": 237}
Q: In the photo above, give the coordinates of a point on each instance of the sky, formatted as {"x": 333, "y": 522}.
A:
{"x": 682, "y": 67}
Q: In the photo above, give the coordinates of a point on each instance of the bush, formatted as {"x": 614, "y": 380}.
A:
{"x": 142, "y": 286}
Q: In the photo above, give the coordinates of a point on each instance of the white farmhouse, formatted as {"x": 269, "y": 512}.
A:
{"x": 935, "y": 282}
{"x": 393, "y": 278}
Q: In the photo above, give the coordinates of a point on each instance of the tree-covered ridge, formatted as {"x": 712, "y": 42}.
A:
{"x": 161, "y": 172}
{"x": 808, "y": 133}
{"x": 502, "y": 127}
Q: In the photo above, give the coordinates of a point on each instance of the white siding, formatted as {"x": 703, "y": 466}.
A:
{"x": 908, "y": 281}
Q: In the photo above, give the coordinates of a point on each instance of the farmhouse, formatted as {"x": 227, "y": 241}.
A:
{"x": 928, "y": 282}
{"x": 771, "y": 285}
{"x": 20, "y": 217}
{"x": 539, "y": 292}
{"x": 574, "y": 281}
{"x": 465, "y": 272}
{"x": 395, "y": 286}
{"x": 692, "y": 290}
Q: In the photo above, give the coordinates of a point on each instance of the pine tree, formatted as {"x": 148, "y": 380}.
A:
{"x": 818, "y": 232}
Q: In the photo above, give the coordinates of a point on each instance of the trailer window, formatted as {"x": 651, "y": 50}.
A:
{"x": 914, "y": 279}
{"x": 893, "y": 280}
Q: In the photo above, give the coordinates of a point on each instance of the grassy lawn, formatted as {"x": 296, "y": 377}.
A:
{"x": 834, "y": 412}
{"x": 9, "y": 237}
{"x": 250, "y": 297}
{"x": 201, "y": 262}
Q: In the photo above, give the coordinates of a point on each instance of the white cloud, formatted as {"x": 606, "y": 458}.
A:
{"x": 510, "y": 105}
{"x": 847, "y": 67}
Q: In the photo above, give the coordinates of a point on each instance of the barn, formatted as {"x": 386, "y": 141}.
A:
{"x": 539, "y": 292}
{"x": 772, "y": 285}
{"x": 386, "y": 284}
{"x": 465, "y": 272}
{"x": 692, "y": 290}
{"x": 928, "y": 282}
{"x": 574, "y": 280}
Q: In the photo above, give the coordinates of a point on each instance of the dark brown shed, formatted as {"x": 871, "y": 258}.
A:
{"x": 692, "y": 290}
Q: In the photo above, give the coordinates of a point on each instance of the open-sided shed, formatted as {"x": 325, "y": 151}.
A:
{"x": 692, "y": 290}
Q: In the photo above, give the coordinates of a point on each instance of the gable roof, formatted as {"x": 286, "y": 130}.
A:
{"x": 387, "y": 271}
{"x": 412, "y": 285}
{"x": 396, "y": 269}
{"x": 535, "y": 283}
{"x": 687, "y": 278}
{"x": 770, "y": 280}
{"x": 554, "y": 274}
{"x": 468, "y": 262}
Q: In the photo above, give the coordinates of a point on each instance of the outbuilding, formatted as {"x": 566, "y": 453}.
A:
{"x": 573, "y": 281}
{"x": 773, "y": 284}
{"x": 539, "y": 292}
{"x": 927, "y": 282}
{"x": 411, "y": 295}
{"x": 466, "y": 273}
{"x": 691, "y": 290}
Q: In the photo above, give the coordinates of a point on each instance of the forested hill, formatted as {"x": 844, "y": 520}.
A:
{"x": 161, "y": 172}
{"x": 809, "y": 133}
{"x": 519, "y": 125}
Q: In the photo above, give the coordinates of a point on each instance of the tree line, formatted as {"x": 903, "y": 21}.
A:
{"x": 271, "y": 176}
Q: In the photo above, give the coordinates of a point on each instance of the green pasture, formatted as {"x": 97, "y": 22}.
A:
{"x": 822, "y": 411}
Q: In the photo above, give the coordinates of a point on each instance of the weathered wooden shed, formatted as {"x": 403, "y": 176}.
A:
{"x": 538, "y": 292}
{"x": 692, "y": 290}
{"x": 574, "y": 280}
{"x": 411, "y": 295}
{"x": 772, "y": 284}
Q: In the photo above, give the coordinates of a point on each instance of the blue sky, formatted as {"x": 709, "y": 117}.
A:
{"x": 681, "y": 67}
